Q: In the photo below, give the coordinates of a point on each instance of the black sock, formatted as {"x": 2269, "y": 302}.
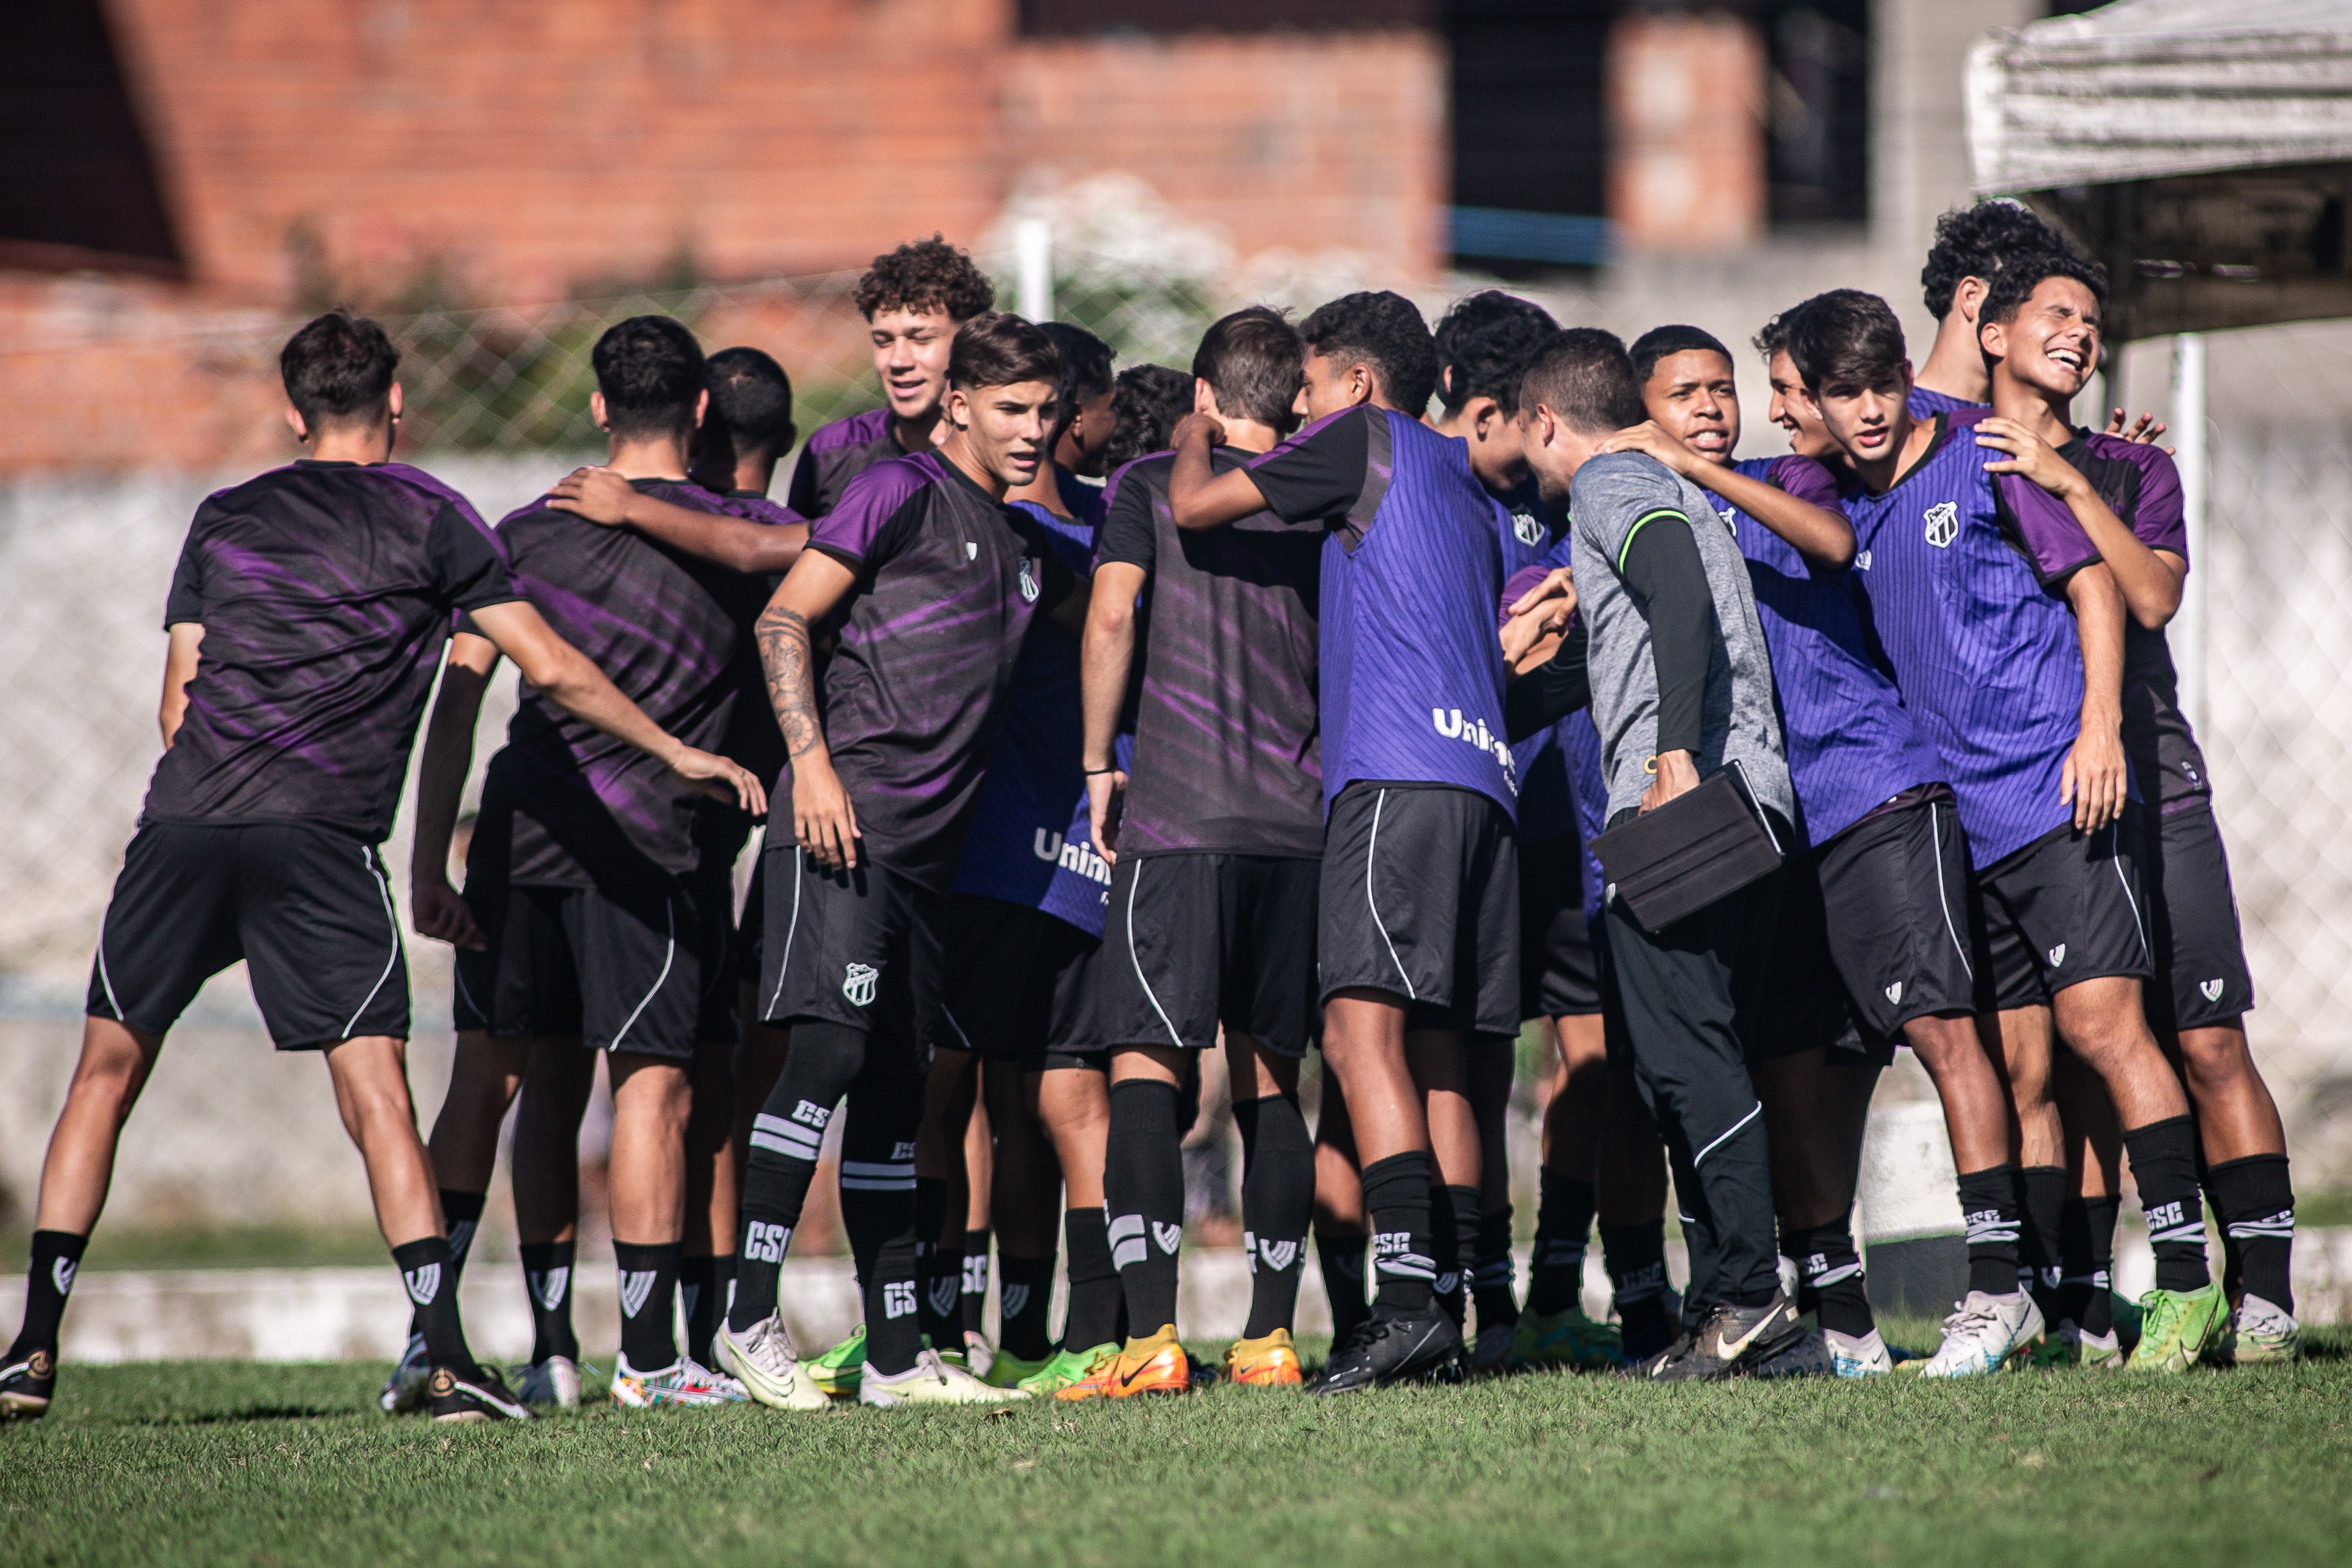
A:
{"x": 1829, "y": 1277}
{"x": 2042, "y": 1200}
{"x": 1023, "y": 1301}
{"x": 1635, "y": 1256}
{"x": 2086, "y": 1255}
{"x": 49, "y": 1280}
{"x": 1989, "y": 1209}
{"x": 648, "y": 1301}
{"x": 2253, "y": 1201}
{"x": 974, "y": 1276}
{"x": 931, "y": 1219}
{"x": 1277, "y": 1203}
{"x": 1564, "y": 1209}
{"x": 1491, "y": 1271}
{"x": 423, "y": 1265}
{"x": 547, "y": 1281}
{"x": 702, "y": 1285}
{"x": 877, "y": 1211}
{"x": 786, "y": 1137}
{"x": 1143, "y": 1193}
{"x": 1455, "y": 1212}
{"x": 1396, "y": 1199}
{"x": 1095, "y": 1296}
{"x": 463, "y": 1212}
{"x": 941, "y": 1276}
{"x": 1340, "y": 1254}
{"x": 2164, "y": 1167}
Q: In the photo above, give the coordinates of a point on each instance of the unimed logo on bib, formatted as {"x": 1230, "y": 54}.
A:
{"x": 1450, "y": 724}
{"x": 1071, "y": 855}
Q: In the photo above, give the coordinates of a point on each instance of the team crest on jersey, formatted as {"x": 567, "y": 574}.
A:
{"x": 1861, "y": 559}
{"x": 2209, "y": 989}
{"x": 857, "y": 983}
{"x": 1028, "y": 583}
{"x": 1943, "y": 523}
{"x": 1528, "y": 527}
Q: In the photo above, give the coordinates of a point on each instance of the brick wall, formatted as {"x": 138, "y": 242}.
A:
{"x": 1685, "y": 105}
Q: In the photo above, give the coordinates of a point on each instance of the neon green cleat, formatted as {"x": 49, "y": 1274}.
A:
{"x": 2127, "y": 1314}
{"x": 1567, "y": 1337}
{"x": 2177, "y": 1327}
{"x": 840, "y": 1370}
{"x": 1007, "y": 1371}
{"x": 1065, "y": 1368}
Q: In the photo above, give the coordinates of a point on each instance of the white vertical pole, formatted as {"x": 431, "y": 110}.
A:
{"x": 2193, "y": 458}
{"x": 1033, "y": 243}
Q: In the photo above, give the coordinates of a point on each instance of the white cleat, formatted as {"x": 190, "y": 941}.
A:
{"x": 978, "y": 1355}
{"x": 771, "y": 1371}
{"x": 551, "y": 1384}
{"x": 1863, "y": 1357}
{"x": 931, "y": 1381}
{"x": 404, "y": 1390}
{"x": 684, "y": 1382}
{"x": 1986, "y": 1333}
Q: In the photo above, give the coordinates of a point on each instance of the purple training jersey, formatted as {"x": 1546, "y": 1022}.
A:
{"x": 948, "y": 578}
{"x": 1532, "y": 546}
{"x": 1588, "y": 781}
{"x": 326, "y": 592}
{"x": 1926, "y": 403}
{"x": 1852, "y": 744}
{"x": 1412, "y": 672}
{"x": 837, "y": 454}
{"x": 1228, "y": 745}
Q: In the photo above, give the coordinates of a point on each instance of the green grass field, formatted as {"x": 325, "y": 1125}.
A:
{"x": 273, "y": 1466}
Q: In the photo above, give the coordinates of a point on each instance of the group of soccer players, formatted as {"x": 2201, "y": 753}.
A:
{"x": 1114, "y": 716}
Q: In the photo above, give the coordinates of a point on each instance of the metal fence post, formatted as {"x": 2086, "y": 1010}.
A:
{"x": 2191, "y": 458}
{"x": 1033, "y": 242}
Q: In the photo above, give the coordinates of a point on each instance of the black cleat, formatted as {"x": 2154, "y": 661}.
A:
{"x": 1731, "y": 1342}
{"x": 478, "y": 1394}
{"x": 1645, "y": 1329}
{"x": 25, "y": 1387}
{"x": 1807, "y": 1355}
{"x": 1388, "y": 1348}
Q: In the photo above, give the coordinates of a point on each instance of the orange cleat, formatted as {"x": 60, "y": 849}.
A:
{"x": 1154, "y": 1365}
{"x": 1271, "y": 1361}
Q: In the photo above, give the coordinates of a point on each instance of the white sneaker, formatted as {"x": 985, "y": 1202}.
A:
{"x": 1984, "y": 1334}
{"x": 931, "y": 1381}
{"x": 403, "y": 1391}
{"x": 978, "y": 1353}
{"x": 2262, "y": 1332}
{"x": 684, "y": 1382}
{"x": 1863, "y": 1357}
{"x": 553, "y": 1382}
{"x": 770, "y": 1369}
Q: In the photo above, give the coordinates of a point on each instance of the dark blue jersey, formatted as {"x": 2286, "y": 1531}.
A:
{"x": 1531, "y": 547}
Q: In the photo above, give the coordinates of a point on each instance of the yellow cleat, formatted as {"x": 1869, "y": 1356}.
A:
{"x": 1269, "y": 1361}
{"x": 1154, "y": 1365}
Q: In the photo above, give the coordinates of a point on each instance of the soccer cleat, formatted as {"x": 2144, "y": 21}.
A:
{"x": 403, "y": 1391}
{"x": 1068, "y": 1369}
{"x": 1565, "y": 1338}
{"x": 1986, "y": 1333}
{"x": 1644, "y": 1332}
{"x": 554, "y": 1382}
{"x": 761, "y": 1357}
{"x": 1807, "y": 1355}
{"x": 1490, "y": 1356}
{"x": 26, "y": 1387}
{"x": 684, "y": 1382}
{"x": 1153, "y": 1364}
{"x": 1388, "y": 1348}
{"x": 2177, "y": 1327}
{"x": 2128, "y": 1318}
{"x": 931, "y": 1381}
{"x": 1270, "y": 1361}
{"x": 468, "y": 1398}
{"x": 2258, "y": 1332}
{"x": 2068, "y": 1346}
{"x": 1865, "y": 1357}
{"x": 980, "y": 1355}
{"x": 837, "y": 1371}
{"x": 1730, "y": 1341}
{"x": 1009, "y": 1371}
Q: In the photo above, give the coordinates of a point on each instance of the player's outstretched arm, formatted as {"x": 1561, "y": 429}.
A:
{"x": 1199, "y": 496}
{"x": 564, "y": 675}
{"x": 179, "y": 668}
{"x": 1107, "y": 655}
{"x": 2150, "y": 579}
{"x": 601, "y": 496}
{"x": 1822, "y": 536}
{"x": 825, "y": 823}
{"x": 2096, "y": 779}
{"x": 434, "y": 905}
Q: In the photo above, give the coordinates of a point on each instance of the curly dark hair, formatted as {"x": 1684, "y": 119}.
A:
{"x": 1974, "y": 242}
{"x": 925, "y": 275}
{"x": 1484, "y": 344}
{"x": 1086, "y": 373}
{"x": 1384, "y": 331}
{"x": 1773, "y": 335}
{"x": 2024, "y": 274}
{"x": 1145, "y": 402}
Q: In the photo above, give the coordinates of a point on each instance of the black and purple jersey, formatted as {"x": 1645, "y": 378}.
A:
{"x": 1850, "y": 743}
{"x": 1964, "y": 595}
{"x": 948, "y": 578}
{"x": 753, "y": 739}
{"x": 326, "y": 592}
{"x": 1412, "y": 671}
{"x": 837, "y": 454}
{"x": 1032, "y": 836}
{"x": 1228, "y": 752}
{"x": 753, "y": 507}
{"x": 1925, "y": 405}
{"x": 674, "y": 633}
{"x": 1530, "y": 551}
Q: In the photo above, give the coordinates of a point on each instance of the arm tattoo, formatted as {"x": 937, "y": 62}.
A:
{"x": 784, "y": 637}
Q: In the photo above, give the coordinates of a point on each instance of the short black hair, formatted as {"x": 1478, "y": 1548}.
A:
{"x": 998, "y": 348}
{"x": 2024, "y": 274}
{"x": 1382, "y": 329}
{"x": 925, "y": 275}
{"x": 1845, "y": 336}
{"x": 337, "y": 367}
{"x": 1250, "y": 360}
{"x": 1773, "y": 335}
{"x": 1586, "y": 378}
{"x": 651, "y": 371}
{"x": 1664, "y": 342}
{"x": 1482, "y": 347}
{"x": 1086, "y": 373}
{"x": 1975, "y": 241}
{"x": 1146, "y": 402}
{"x": 752, "y": 399}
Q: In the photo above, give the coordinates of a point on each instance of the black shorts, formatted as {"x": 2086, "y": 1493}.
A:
{"x": 860, "y": 947}
{"x": 1895, "y": 887}
{"x": 309, "y": 910}
{"x": 649, "y": 973}
{"x": 750, "y": 928}
{"x": 2065, "y": 908}
{"x": 1803, "y": 1005}
{"x": 2201, "y": 979}
{"x": 1560, "y": 974}
{"x": 1016, "y": 987}
{"x": 1421, "y": 898}
{"x": 1195, "y": 940}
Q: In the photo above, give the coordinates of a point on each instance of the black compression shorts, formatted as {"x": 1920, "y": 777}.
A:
{"x": 1559, "y": 973}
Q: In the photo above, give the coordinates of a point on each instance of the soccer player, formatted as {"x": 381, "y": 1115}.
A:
{"x": 931, "y": 581}
{"x": 308, "y": 609}
{"x": 1214, "y": 837}
{"x": 1970, "y": 586}
{"x": 1418, "y": 901}
{"x": 2041, "y": 325}
{"x": 599, "y": 896}
{"x": 1972, "y": 246}
{"x": 1147, "y": 400}
{"x": 1875, "y": 915}
{"x": 915, "y": 299}
{"x": 1680, "y": 682}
